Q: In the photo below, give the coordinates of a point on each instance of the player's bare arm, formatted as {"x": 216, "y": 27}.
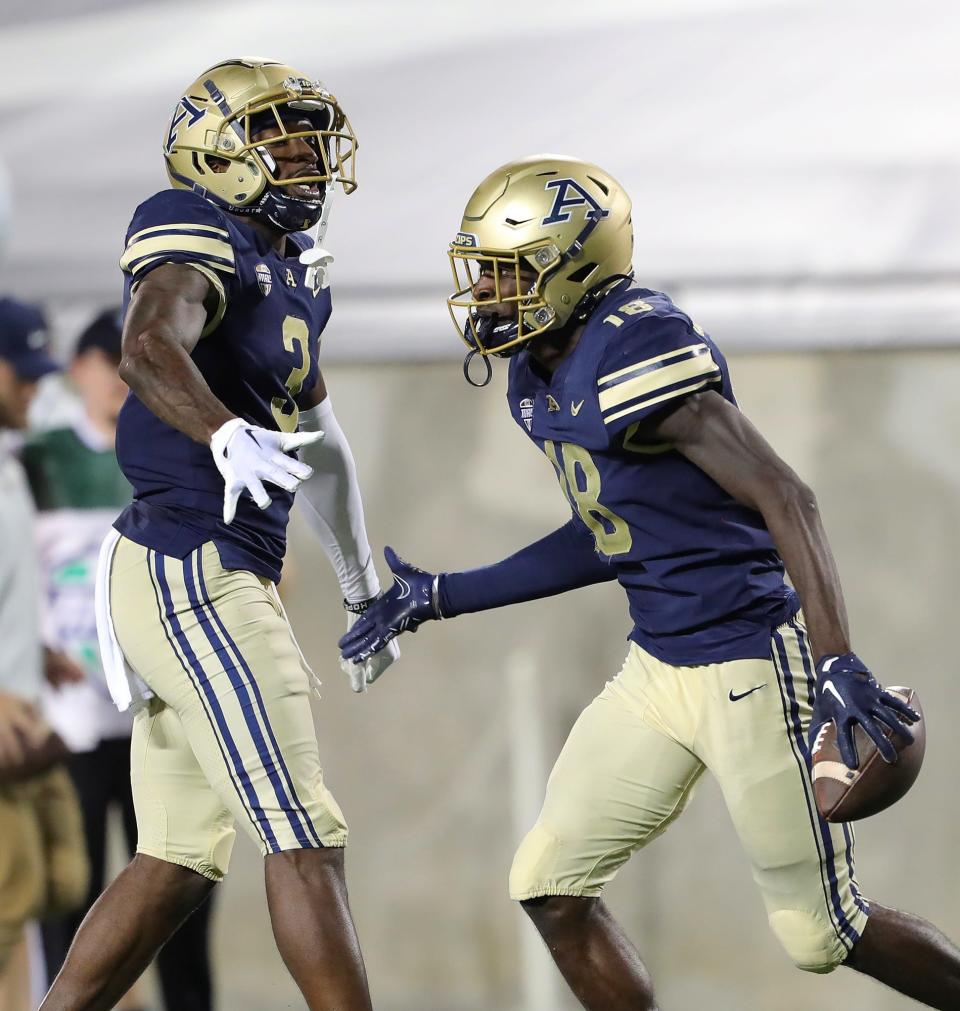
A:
{"x": 714, "y": 435}
{"x": 168, "y": 312}
{"x": 315, "y": 396}
{"x": 719, "y": 439}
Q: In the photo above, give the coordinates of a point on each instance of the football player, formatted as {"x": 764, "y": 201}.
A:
{"x": 678, "y": 497}
{"x": 225, "y": 301}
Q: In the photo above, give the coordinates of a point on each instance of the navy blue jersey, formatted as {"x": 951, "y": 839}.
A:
{"x": 257, "y": 354}
{"x": 704, "y": 581}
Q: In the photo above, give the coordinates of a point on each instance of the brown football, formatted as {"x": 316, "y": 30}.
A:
{"x": 844, "y": 794}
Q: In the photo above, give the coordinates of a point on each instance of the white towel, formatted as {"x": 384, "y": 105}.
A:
{"x": 127, "y": 688}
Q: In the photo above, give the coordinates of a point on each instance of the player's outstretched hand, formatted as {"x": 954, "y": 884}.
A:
{"x": 410, "y": 601}
{"x": 247, "y": 455}
{"x": 363, "y": 673}
{"x": 848, "y": 693}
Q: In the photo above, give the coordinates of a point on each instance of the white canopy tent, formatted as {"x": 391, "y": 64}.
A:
{"x": 794, "y": 165}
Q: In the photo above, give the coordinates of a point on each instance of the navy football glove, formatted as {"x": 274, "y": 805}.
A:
{"x": 848, "y": 693}
{"x": 410, "y": 601}
{"x": 363, "y": 673}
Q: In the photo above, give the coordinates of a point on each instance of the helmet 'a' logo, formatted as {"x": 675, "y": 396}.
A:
{"x": 569, "y": 194}
{"x": 184, "y": 109}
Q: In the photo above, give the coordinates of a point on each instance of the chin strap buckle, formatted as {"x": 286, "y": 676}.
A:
{"x": 317, "y": 261}
{"x": 468, "y": 361}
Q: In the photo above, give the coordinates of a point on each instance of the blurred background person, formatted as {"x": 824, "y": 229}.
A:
{"x": 43, "y": 868}
{"x": 79, "y": 490}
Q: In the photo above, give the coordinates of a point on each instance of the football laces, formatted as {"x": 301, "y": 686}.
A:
{"x": 821, "y": 735}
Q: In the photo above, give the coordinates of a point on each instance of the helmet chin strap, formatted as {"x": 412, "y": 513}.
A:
{"x": 317, "y": 260}
{"x": 468, "y": 361}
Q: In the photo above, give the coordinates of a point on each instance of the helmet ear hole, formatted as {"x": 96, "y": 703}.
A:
{"x": 580, "y": 275}
{"x": 210, "y": 163}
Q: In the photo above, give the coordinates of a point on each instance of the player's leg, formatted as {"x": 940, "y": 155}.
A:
{"x": 116, "y": 758}
{"x": 315, "y": 934}
{"x": 897, "y": 948}
{"x": 185, "y": 830}
{"x": 757, "y": 748}
{"x": 244, "y": 705}
{"x": 185, "y": 838}
{"x": 753, "y": 739}
{"x": 123, "y": 931}
{"x": 596, "y": 958}
{"x": 620, "y": 780}
{"x": 910, "y": 955}
{"x": 183, "y": 964}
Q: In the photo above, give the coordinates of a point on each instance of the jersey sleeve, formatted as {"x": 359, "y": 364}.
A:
{"x": 650, "y": 363}
{"x": 177, "y": 226}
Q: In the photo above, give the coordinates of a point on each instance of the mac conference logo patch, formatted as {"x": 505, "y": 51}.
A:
{"x": 264, "y": 278}
{"x": 526, "y": 412}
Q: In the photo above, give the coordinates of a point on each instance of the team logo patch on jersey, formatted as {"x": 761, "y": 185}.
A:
{"x": 291, "y": 279}
{"x": 552, "y": 405}
{"x": 526, "y": 412}
{"x": 264, "y": 278}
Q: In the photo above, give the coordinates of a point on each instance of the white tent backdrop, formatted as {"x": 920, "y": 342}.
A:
{"x": 794, "y": 165}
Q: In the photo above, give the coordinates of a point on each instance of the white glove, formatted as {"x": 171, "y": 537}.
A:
{"x": 247, "y": 455}
{"x": 367, "y": 671}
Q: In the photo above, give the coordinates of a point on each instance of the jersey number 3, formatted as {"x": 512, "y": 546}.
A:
{"x": 285, "y": 411}
{"x": 580, "y": 481}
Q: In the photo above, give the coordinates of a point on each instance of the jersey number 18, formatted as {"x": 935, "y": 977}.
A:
{"x": 577, "y": 468}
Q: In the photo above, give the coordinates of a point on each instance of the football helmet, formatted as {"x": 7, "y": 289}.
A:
{"x": 209, "y": 145}
{"x": 565, "y": 220}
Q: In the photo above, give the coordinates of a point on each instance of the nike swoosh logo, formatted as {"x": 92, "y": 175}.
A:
{"x": 404, "y": 587}
{"x": 743, "y": 695}
{"x": 829, "y": 687}
{"x": 575, "y": 408}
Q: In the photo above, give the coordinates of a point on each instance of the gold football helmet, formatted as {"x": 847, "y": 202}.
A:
{"x": 209, "y": 145}
{"x": 565, "y": 220}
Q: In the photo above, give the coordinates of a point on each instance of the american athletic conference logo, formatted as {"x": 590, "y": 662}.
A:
{"x": 570, "y": 194}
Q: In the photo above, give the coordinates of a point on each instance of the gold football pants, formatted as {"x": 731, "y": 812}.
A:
{"x": 229, "y": 736}
{"x": 634, "y": 755}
